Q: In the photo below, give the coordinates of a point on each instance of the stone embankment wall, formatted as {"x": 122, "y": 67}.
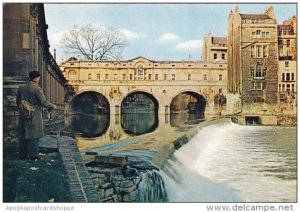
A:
{"x": 115, "y": 184}
{"x": 127, "y": 184}
{"x": 287, "y": 120}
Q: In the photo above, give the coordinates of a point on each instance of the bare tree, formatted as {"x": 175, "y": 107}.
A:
{"x": 94, "y": 43}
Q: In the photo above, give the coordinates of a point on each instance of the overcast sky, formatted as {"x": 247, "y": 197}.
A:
{"x": 155, "y": 31}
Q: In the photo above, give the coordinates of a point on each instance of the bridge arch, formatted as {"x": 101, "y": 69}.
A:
{"x": 140, "y": 92}
{"x": 191, "y": 101}
{"x": 89, "y": 101}
{"x": 139, "y": 113}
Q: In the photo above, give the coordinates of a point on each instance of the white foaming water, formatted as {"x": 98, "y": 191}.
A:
{"x": 227, "y": 162}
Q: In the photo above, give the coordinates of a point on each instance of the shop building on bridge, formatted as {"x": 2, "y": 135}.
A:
{"x": 163, "y": 80}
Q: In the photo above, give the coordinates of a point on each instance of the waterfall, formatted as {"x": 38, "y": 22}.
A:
{"x": 183, "y": 176}
{"x": 151, "y": 187}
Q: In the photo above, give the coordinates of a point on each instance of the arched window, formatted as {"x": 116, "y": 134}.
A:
{"x": 140, "y": 75}
{"x": 258, "y": 72}
{"x": 72, "y": 75}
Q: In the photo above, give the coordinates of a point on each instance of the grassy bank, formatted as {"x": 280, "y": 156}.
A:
{"x": 34, "y": 181}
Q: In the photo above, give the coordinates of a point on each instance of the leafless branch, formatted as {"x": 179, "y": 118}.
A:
{"x": 94, "y": 43}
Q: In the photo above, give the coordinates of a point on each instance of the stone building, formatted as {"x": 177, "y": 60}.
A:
{"x": 252, "y": 62}
{"x": 287, "y": 71}
{"x": 214, "y": 49}
{"x": 161, "y": 80}
{"x": 26, "y": 48}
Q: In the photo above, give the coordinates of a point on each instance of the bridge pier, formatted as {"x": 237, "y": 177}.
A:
{"x": 115, "y": 109}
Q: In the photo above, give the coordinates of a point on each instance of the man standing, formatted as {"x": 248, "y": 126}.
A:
{"x": 31, "y": 131}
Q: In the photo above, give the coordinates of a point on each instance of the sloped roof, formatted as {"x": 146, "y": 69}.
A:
{"x": 255, "y": 16}
{"x": 219, "y": 40}
{"x": 289, "y": 28}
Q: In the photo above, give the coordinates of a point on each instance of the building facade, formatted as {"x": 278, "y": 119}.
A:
{"x": 252, "y": 62}
{"x": 163, "y": 80}
{"x": 214, "y": 49}
{"x": 287, "y": 71}
{"x": 26, "y": 48}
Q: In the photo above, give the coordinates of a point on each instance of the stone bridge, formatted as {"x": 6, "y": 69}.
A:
{"x": 161, "y": 81}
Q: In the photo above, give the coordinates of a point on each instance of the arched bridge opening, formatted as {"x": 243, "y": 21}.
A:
{"x": 90, "y": 102}
{"x": 139, "y": 113}
{"x": 187, "y": 106}
{"x": 88, "y": 114}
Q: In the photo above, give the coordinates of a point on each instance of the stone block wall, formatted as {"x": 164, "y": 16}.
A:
{"x": 115, "y": 184}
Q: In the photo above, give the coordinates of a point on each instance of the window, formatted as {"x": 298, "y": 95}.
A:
{"x": 288, "y": 78}
{"x": 283, "y": 87}
{"x": 293, "y": 77}
{"x": 263, "y": 34}
{"x": 98, "y": 76}
{"x": 264, "y": 86}
{"x": 252, "y": 72}
{"x": 258, "y": 86}
{"x": 282, "y": 77}
{"x": 140, "y": 73}
{"x": 220, "y": 77}
{"x": 279, "y": 87}
{"x": 115, "y": 76}
{"x": 267, "y": 35}
{"x": 173, "y": 76}
{"x": 72, "y": 75}
{"x": 288, "y": 43}
{"x": 89, "y": 76}
{"x": 165, "y": 77}
{"x": 265, "y": 51}
{"x": 106, "y": 76}
{"x": 286, "y": 64}
{"x": 253, "y": 34}
{"x": 288, "y": 87}
{"x": 189, "y": 76}
{"x": 130, "y": 76}
{"x": 252, "y": 86}
{"x": 149, "y": 76}
{"x": 205, "y": 76}
{"x": 215, "y": 56}
{"x": 223, "y": 56}
{"x": 258, "y": 34}
{"x": 258, "y": 72}
{"x": 156, "y": 76}
{"x": 265, "y": 72}
{"x": 293, "y": 87}
{"x": 259, "y": 51}
{"x": 284, "y": 32}
{"x": 252, "y": 51}
{"x": 124, "y": 76}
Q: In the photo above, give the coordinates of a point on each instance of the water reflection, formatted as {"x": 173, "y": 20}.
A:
{"x": 88, "y": 125}
{"x": 139, "y": 123}
{"x": 131, "y": 123}
{"x": 93, "y": 131}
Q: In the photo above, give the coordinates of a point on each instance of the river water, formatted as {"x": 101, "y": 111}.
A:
{"x": 233, "y": 163}
{"x": 224, "y": 162}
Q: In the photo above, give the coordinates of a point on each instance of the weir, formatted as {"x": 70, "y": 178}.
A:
{"x": 218, "y": 161}
{"x": 138, "y": 175}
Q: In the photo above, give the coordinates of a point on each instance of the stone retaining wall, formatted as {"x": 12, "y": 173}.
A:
{"x": 115, "y": 184}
